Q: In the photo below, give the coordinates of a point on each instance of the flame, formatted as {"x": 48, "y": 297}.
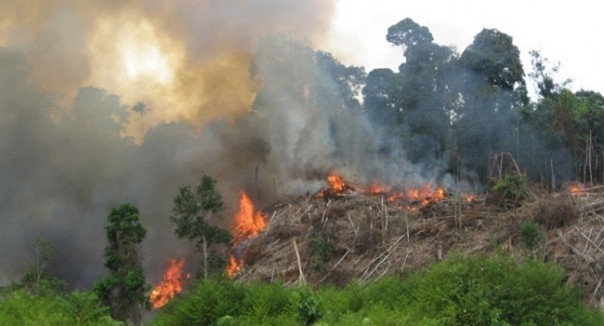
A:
{"x": 469, "y": 198}
{"x": 170, "y": 285}
{"x": 248, "y": 224}
{"x": 418, "y": 196}
{"x": 576, "y": 188}
{"x": 335, "y": 181}
{"x": 234, "y": 266}
{"x": 377, "y": 189}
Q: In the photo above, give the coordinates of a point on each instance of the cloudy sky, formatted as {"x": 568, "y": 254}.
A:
{"x": 564, "y": 32}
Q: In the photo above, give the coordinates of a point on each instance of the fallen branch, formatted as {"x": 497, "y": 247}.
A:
{"x": 388, "y": 252}
{"x": 335, "y": 266}
{"x": 301, "y": 279}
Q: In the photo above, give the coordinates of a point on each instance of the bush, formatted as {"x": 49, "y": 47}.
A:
{"x": 531, "y": 235}
{"x": 500, "y": 291}
{"x": 510, "y": 191}
{"x": 482, "y": 290}
{"x": 79, "y": 308}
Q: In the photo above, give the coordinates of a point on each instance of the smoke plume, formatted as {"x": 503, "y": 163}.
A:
{"x": 231, "y": 92}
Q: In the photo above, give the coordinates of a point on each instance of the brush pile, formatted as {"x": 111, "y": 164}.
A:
{"x": 359, "y": 236}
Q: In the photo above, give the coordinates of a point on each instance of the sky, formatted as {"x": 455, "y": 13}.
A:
{"x": 567, "y": 34}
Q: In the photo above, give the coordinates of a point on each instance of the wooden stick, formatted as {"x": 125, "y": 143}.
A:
{"x": 590, "y": 241}
{"x": 388, "y": 252}
{"x": 270, "y": 222}
{"x": 301, "y": 279}
{"x": 353, "y": 226}
{"x": 335, "y": 266}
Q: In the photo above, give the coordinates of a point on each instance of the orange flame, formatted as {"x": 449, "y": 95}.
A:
{"x": 469, "y": 198}
{"x": 576, "y": 188}
{"x": 248, "y": 224}
{"x": 170, "y": 285}
{"x": 377, "y": 189}
{"x": 418, "y": 196}
{"x": 234, "y": 266}
{"x": 335, "y": 181}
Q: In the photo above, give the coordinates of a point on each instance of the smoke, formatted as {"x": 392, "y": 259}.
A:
{"x": 67, "y": 155}
{"x": 185, "y": 60}
{"x": 232, "y": 93}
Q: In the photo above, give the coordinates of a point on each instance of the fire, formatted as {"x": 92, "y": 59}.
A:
{"x": 576, "y": 188}
{"x": 170, "y": 285}
{"x": 469, "y": 198}
{"x": 418, "y": 196}
{"x": 248, "y": 224}
{"x": 336, "y": 183}
{"x": 377, "y": 189}
{"x": 234, "y": 266}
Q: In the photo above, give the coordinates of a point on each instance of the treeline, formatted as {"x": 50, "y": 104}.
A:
{"x": 461, "y": 110}
{"x": 465, "y": 108}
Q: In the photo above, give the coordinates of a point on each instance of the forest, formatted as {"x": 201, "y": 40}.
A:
{"x": 476, "y": 120}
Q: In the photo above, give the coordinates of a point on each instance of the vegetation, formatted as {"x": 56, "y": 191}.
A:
{"x": 124, "y": 288}
{"x": 510, "y": 191}
{"x": 21, "y": 307}
{"x": 531, "y": 235}
{"x": 193, "y": 209}
{"x": 441, "y": 105}
{"x": 496, "y": 290}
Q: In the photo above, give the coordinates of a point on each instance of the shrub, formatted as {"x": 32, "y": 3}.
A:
{"x": 531, "y": 235}
{"x": 510, "y": 191}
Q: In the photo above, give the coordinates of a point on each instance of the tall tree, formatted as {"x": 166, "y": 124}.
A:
{"x": 492, "y": 85}
{"x": 191, "y": 215}
{"x": 413, "y": 106}
{"x": 124, "y": 289}
{"x": 408, "y": 33}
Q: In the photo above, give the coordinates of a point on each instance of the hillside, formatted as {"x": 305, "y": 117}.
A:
{"x": 349, "y": 234}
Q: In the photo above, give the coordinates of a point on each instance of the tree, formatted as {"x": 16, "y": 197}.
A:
{"x": 124, "y": 289}
{"x": 37, "y": 279}
{"x": 492, "y": 85}
{"x": 408, "y": 33}
{"x": 192, "y": 211}
{"x": 412, "y": 107}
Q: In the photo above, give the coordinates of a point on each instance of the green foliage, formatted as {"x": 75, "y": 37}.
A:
{"x": 36, "y": 279}
{"x": 191, "y": 215}
{"x": 53, "y": 308}
{"x": 124, "y": 290}
{"x": 308, "y": 305}
{"x": 408, "y": 33}
{"x": 500, "y": 291}
{"x": 211, "y": 300}
{"x": 320, "y": 252}
{"x": 531, "y": 235}
{"x": 510, "y": 191}
{"x": 458, "y": 291}
{"x": 194, "y": 208}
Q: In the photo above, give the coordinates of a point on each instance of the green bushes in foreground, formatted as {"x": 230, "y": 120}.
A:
{"x": 498, "y": 290}
{"x": 20, "y": 307}
{"x": 483, "y": 290}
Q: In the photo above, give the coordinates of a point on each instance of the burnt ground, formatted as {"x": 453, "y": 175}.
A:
{"x": 361, "y": 237}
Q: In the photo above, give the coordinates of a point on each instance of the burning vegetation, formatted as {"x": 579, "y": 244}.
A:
{"x": 249, "y": 222}
{"x": 412, "y": 198}
{"x": 170, "y": 285}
